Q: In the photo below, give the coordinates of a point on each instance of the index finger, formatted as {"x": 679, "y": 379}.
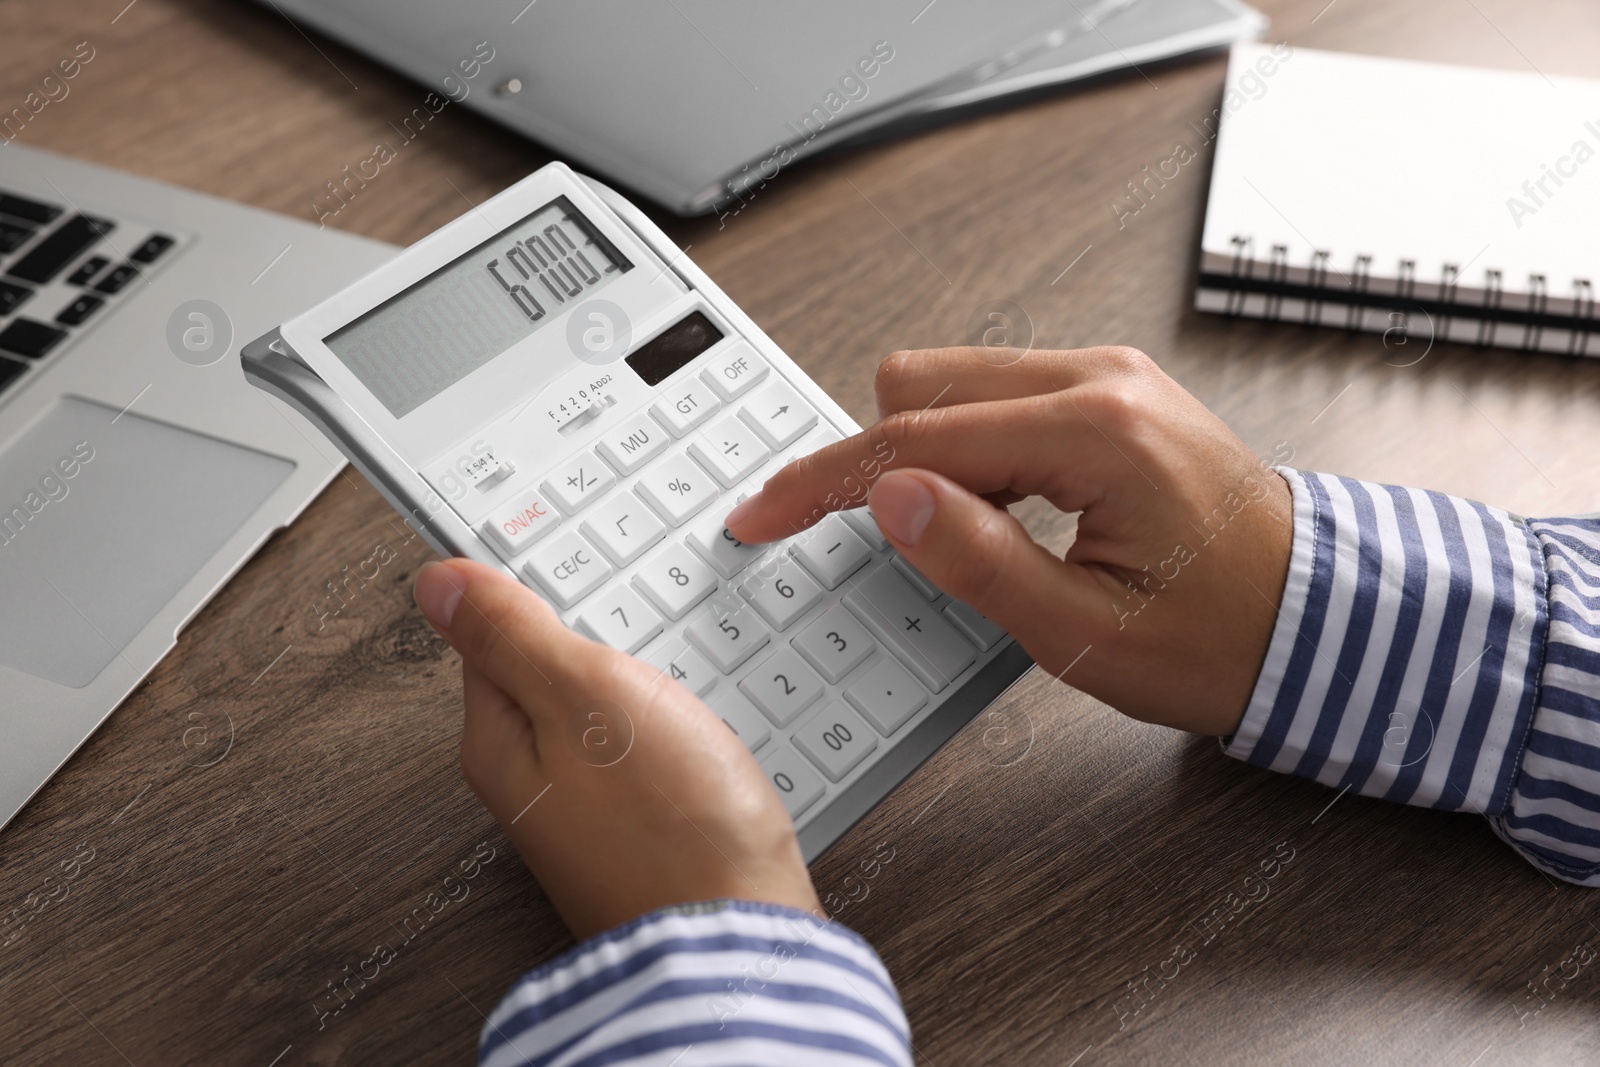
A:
{"x": 994, "y": 447}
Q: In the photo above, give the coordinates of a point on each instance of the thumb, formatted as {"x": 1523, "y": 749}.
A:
{"x": 981, "y": 555}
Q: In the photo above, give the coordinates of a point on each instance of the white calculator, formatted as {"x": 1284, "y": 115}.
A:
{"x": 548, "y": 385}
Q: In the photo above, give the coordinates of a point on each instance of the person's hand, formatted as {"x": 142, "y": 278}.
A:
{"x": 621, "y": 790}
{"x": 1164, "y": 605}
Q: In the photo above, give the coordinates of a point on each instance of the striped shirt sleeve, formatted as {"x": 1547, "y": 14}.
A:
{"x": 1435, "y": 651}
{"x": 727, "y": 982}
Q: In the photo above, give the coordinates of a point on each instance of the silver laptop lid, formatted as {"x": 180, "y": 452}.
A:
{"x": 676, "y": 99}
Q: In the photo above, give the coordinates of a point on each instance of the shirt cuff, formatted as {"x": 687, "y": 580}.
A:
{"x": 724, "y": 982}
{"x": 1405, "y": 660}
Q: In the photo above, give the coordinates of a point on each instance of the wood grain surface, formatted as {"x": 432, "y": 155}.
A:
{"x": 282, "y": 797}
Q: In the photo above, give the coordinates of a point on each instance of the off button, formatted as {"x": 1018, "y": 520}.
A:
{"x": 734, "y": 370}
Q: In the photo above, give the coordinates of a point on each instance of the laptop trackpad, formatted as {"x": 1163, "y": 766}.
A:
{"x": 103, "y": 518}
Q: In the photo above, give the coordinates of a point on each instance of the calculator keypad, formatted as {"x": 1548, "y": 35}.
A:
{"x": 835, "y": 739}
{"x": 677, "y": 489}
{"x": 619, "y": 618}
{"x": 781, "y": 592}
{"x": 779, "y": 415}
{"x": 579, "y": 482}
{"x": 568, "y": 568}
{"x": 819, "y": 653}
{"x": 675, "y": 581}
{"x": 730, "y": 450}
{"x": 782, "y": 686}
{"x": 624, "y": 528}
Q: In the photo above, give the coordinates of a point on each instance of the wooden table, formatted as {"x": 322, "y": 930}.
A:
{"x": 1033, "y": 879}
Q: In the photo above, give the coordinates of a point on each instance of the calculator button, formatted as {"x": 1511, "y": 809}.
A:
{"x": 685, "y": 406}
{"x": 779, "y": 415}
{"x": 831, "y": 551}
{"x": 782, "y": 592}
{"x": 887, "y": 695}
{"x": 734, "y": 370}
{"x": 913, "y": 629}
{"x": 579, "y": 482}
{"x": 782, "y": 686}
{"x": 521, "y": 522}
{"x": 730, "y": 450}
{"x": 835, "y": 644}
{"x": 727, "y": 554}
{"x": 728, "y": 639}
{"x": 675, "y": 581}
{"x": 862, "y": 522}
{"x": 629, "y": 444}
{"x": 798, "y": 785}
{"x": 741, "y": 718}
{"x": 835, "y": 739}
{"x": 620, "y": 619}
{"x": 685, "y": 666}
{"x": 918, "y": 580}
{"x": 624, "y": 528}
{"x": 677, "y": 489}
{"x": 974, "y": 627}
{"x": 568, "y": 568}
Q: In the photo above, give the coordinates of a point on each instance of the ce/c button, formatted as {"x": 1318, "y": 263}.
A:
{"x": 568, "y": 568}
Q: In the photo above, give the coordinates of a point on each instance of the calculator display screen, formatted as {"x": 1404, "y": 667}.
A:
{"x": 425, "y": 339}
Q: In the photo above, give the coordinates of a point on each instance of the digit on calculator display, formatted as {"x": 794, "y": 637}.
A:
{"x": 469, "y": 311}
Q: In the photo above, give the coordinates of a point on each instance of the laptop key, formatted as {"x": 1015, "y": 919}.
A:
{"x": 153, "y": 247}
{"x": 87, "y": 270}
{"x": 24, "y": 337}
{"x": 118, "y": 278}
{"x": 12, "y": 297}
{"x": 20, "y": 207}
{"x": 60, "y": 247}
{"x": 80, "y": 309}
{"x": 13, "y": 236}
{"x": 10, "y": 371}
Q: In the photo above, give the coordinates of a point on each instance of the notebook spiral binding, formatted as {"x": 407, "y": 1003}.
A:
{"x": 1444, "y": 307}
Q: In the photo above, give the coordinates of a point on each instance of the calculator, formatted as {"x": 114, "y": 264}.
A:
{"x": 548, "y": 385}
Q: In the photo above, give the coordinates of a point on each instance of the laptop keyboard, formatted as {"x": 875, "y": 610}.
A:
{"x": 58, "y": 269}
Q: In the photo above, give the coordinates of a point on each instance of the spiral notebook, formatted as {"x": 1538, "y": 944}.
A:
{"x": 1379, "y": 194}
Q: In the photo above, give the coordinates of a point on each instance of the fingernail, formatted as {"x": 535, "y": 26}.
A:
{"x": 438, "y": 592}
{"x": 741, "y": 510}
{"x": 903, "y": 505}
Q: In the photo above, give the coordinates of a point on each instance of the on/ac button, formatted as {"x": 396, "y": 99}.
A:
{"x": 521, "y": 522}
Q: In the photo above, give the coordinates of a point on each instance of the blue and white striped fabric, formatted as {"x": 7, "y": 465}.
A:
{"x": 1434, "y": 651}
{"x": 730, "y": 982}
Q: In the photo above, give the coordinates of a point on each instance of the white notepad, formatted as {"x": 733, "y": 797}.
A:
{"x": 1455, "y": 203}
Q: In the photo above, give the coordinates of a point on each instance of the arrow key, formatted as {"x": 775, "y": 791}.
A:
{"x": 779, "y": 415}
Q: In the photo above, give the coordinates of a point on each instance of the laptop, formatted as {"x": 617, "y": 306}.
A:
{"x": 699, "y": 103}
{"x": 138, "y": 469}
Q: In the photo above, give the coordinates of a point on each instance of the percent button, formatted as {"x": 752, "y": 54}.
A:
{"x": 677, "y": 489}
